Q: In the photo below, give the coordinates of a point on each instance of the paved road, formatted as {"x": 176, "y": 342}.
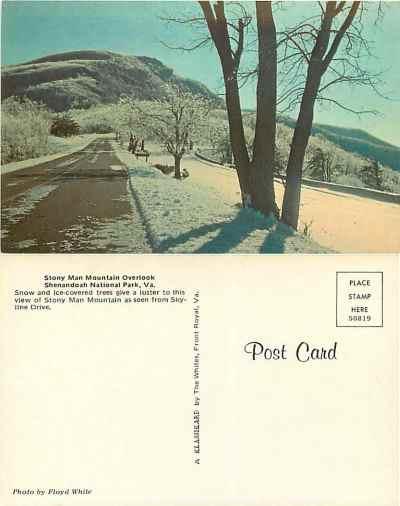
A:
{"x": 79, "y": 203}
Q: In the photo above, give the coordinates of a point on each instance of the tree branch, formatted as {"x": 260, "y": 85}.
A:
{"x": 348, "y": 109}
{"x": 239, "y": 50}
{"x": 339, "y": 36}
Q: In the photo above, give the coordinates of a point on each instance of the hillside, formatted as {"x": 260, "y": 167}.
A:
{"x": 356, "y": 141}
{"x": 85, "y": 78}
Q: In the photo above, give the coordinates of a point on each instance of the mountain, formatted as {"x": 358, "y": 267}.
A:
{"x": 85, "y": 78}
{"x": 356, "y": 141}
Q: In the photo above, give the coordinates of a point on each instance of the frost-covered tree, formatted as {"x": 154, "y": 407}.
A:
{"x": 220, "y": 141}
{"x": 176, "y": 121}
{"x": 219, "y": 138}
{"x": 24, "y": 129}
{"x": 372, "y": 175}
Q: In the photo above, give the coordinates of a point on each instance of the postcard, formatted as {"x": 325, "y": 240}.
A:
{"x": 200, "y": 218}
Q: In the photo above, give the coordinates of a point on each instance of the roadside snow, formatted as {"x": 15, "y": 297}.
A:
{"x": 182, "y": 217}
{"x": 57, "y": 147}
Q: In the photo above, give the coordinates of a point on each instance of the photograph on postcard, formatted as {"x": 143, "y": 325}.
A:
{"x": 200, "y": 127}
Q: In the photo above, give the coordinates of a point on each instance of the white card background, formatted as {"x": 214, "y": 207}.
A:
{"x": 101, "y": 397}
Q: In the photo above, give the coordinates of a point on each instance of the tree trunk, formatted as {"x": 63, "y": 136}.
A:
{"x": 262, "y": 168}
{"x": 236, "y": 134}
{"x": 321, "y": 57}
{"x": 262, "y": 189}
{"x": 294, "y": 171}
{"x": 256, "y": 178}
{"x": 178, "y": 172}
{"x": 230, "y": 61}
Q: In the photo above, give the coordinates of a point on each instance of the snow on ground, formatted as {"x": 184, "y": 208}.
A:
{"x": 67, "y": 144}
{"x": 183, "y": 217}
{"x": 337, "y": 221}
{"x": 58, "y": 147}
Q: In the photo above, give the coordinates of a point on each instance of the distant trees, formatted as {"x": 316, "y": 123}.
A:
{"x": 176, "y": 121}
{"x": 219, "y": 138}
{"x": 64, "y": 126}
{"x": 372, "y": 174}
{"x": 220, "y": 141}
{"x": 321, "y": 165}
{"x": 24, "y": 129}
{"x": 100, "y": 119}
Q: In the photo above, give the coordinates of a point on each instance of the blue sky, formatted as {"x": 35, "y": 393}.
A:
{"x": 36, "y": 28}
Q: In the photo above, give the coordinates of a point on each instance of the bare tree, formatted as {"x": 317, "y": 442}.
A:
{"x": 256, "y": 174}
{"x": 325, "y": 41}
{"x": 309, "y": 63}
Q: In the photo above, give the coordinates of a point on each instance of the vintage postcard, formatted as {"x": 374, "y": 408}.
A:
{"x": 200, "y": 127}
{"x": 200, "y": 238}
